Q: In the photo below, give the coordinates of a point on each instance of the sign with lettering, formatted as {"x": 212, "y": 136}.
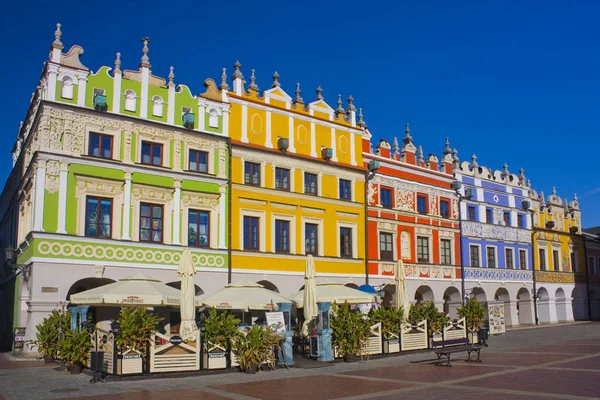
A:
{"x": 131, "y": 356}
{"x": 176, "y": 340}
{"x": 19, "y": 339}
{"x": 496, "y": 318}
{"x": 276, "y": 323}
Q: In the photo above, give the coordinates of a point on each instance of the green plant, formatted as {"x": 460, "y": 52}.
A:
{"x": 49, "y": 333}
{"x": 220, "y": 328}
{"x": 350, "y": 333}
{"x": 254, "y": 348}
{"x": 390, "y": 318}
{"x": 136, "y": 329}
{"x": 474, "y": 313}
{"x": 75, "y": 347}
{"x": 436, "y": 320}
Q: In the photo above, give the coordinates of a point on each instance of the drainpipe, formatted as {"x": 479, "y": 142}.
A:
{"x": 229, "y": 185}
{"x": 533, "y": 251}
{"x": 460, "y": 246}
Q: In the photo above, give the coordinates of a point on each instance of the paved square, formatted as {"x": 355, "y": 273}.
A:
{"x": 519, "y": 359}
{"x": 427, "y": 372}
{"x": 184, "y": 394}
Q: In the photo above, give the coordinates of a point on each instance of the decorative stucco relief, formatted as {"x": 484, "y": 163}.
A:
{"x": 405, "y": 245}
{"x": 97, "y": 187}
{"x": 429, "y": 271}
{"x": 193, "y": 199}
{"x": 151, "y": 193}
{"x": 496, "y": 232}
{"x": 52, "y": 176}
{"x": 372, "y": 193}
{"x": 405, "y": 200}
{"x": 497, "y": 274}
{"x": 554, "y": 277}
{"x": 433, "y": 205}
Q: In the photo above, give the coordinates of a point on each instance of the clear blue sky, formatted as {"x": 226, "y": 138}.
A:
{"x": 512, "y": 81}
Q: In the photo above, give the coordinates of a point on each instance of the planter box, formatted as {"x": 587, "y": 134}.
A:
{"x": 391, "y": 346}
{"x": 129, "y": 364}
{"x": 215, "y": 360}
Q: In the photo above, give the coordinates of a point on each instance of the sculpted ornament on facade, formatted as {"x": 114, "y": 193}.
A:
{"x": 127, "y": 147}
{"x": 405, "y": 245}
{"x": 433, "y": 209}
{"x": 52, "y": 176}
{"x": 188, "y": 199}
{"x": 386, "y": 226}
{"x": 98, "y": 187}
{"x": 372, "y": 193}
{"x": 177, "y": 155}
{"x": 496, "y": 232}
{"x": 554, "y": 277}
{"x": 429, "y": 271}
{"x": 422, "y": 231}
{"x": 222, "y": 160}
{"x": 498, "y": 274}
{"x": 446, "y": 234}
{"x": 455, "y": 208}
{"x": 405, "y": 200}
{"x": 150, "y": 193}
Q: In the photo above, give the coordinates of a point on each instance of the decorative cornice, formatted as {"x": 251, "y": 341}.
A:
{"x": 495, "y": 232}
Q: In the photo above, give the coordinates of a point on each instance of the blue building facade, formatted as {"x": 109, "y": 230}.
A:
{"x": 496, "y": 245}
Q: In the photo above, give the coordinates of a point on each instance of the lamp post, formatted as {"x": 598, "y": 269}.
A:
{"x": 10, "y": 256}
{"x": 372, "y": 168}
{"x": 526, "y": 205}
{"x": 456, "y": 186}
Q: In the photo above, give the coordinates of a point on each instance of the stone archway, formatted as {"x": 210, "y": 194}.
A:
{"x": 351, "y": 285}
{"x": 452, "y": 300}
{"x": 86, "y": 284}
{"x": 269, "y": 285}
{"x": 560, "y": 302}
{"x": 502, "y": 296}
{"x": 524, "y": 310}
{"x": 580, "y": 306}
{"x": 177, "y": 285}
{"x": 424, "y": 294}
{"x": 479, "y": 294}
{"x": 543, "y": 304}
{"x": 100, "y": 316}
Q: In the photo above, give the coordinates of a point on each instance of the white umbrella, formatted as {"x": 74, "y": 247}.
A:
{"x": 309, "y": 296}
{"x": 400, "y": 278}
{"x": 243, "y": 295}
{"x": 335, "y": 292}
{"x": 186, "y": 272}
{"x": 137, "y": 290}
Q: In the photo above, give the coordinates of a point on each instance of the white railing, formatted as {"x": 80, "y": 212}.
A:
{"x": 374, "y": 345}
{"x": 414, "y": 336}
{"x": 456, "y": 330}
{"x": 170, "y": 354}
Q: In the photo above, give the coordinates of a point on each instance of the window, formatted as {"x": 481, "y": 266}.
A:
{"x": 252, "y": 173}
{"x": 491, "y": 257}
{"x": 520, "y": 221}
{"x": 386, "y": 197}
{"x": 523, "y": 259}
{"x": 311, "y": 238}
{"x": 386, "y": 250}
{"x": 213, "y": 118}
{"x": 66, "y": 91}
{"x": 510, "y": 263}
{"x": 555, "y": 260}
{"x": 151, "y": 223}
{"x": 130, "y": 100}
{"x": 98, "y": 92}
{"x": 422, "y": 204}
{"x": 345, "y": 189}
{"x": 251, "y": 233}
{"x": 506, "y": 218}
{"x": 489, "y": 216}
{"x": 346, "y": 242}
{"x": 282, "y": 179}
{"x": 310, "y": 183}
{"x": 591, "y": 266}
{"x": 282, "y": 236}
{"x": 474, "y": 254}
{"x": 198, "y": 161}
{"x": 445, "y": 208}
{"x": 100, "y": 145}
{"x": 542, "y": 253}
{"x": 151, "y": 153}
{"x": 471, "y": 214}
{"x": 198, "y": 228}
{"x": 157, "y": 106}
{"x": 98, "y": 216}
{"x": 446, "y": 253}
{"x": 422, "y": 249}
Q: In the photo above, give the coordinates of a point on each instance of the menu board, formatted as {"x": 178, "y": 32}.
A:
{"x": 496, "y": 318}
{"x": 276, "y": 323}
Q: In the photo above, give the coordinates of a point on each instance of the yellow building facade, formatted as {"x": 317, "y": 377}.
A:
{"x": 559, "y": 253}
{"x": 297, "y": 186}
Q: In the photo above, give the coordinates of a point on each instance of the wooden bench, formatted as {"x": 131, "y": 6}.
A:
{"x": 444, "y": 348}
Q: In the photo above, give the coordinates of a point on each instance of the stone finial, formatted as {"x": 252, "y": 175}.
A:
{"x": 420, "y": 154}
{"x": 253, "y": 85}
{"x": 528, "y": 182}
{"x": 521, "y": 174}
{"x": 224, "y": 85}
{"x": 574, "y": 196}
{"x": 542, "y": 199}
{"x": 171, "y": 75}
{"x": 447, "y": 149}
{"x": 474, "y": 162}
{"x": 118, "y": 64}
{"x": 298, "y": 99}
{"x": 275, "y": 80}
{"x": 340, "y": 108}
{"x": 395, "y": 146}
{"x": 237, "y": 74}
{"x": 407, "y": 138}
{"x": 145, "y": 51}
{"x": 505, "y": 172}
{"x": 319, "y": 93}
{"x": 455, "y": 155}
{"x": 566, "y": 203}
{"x": 361, "y": 121}
{"x": 553, "y": 191}
{"x": 57, "y": 35}
{"x": 351, "y": 104}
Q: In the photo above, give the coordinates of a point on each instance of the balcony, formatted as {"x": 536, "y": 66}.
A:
{"x": 498, "y": 274}
{"x": 495, "y": 232}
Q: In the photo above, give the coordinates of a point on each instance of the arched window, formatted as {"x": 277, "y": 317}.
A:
{"x": 67, "y": 88}
{"x": 130, "y": 100}
{"x": 157, "y": 106}
{"x": 213, "y": 118}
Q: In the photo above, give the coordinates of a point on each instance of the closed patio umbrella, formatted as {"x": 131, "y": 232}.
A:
{"x": 186, "y": 272}
{"x": 309, "y": 296}
{"x": 401, "y": 297}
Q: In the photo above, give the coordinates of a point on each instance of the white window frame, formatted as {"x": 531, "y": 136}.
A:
{"x": 337, "y": 182}
{"x": 395, "y": 248}
{"x": 213, "y": 116}
{"x": 319, "y": 180}
{"x": 352, "y": 226}
{"x": 513, "y": 258}
{"x": 429, "y": 248}
{"x": 319, "y": 223}
{"x": 495, "y": 256}
{"x": 213, "y": 226}
{"x": 130, "y": 103}
{"x": 292, "y": 239}
{"x": 543, "y": 246}
{"x": 479, "y": 252}
{"x": 262, "y": 226}
{"x": 526, "y": 259}
{"x": 166, "y": 149}
{"x": 209, "y": 159}
{"x": 451, "y": 240}
{"x": 115, "y": 133}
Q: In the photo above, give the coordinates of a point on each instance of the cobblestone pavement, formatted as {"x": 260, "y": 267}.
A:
{"x": 557, "y": 362}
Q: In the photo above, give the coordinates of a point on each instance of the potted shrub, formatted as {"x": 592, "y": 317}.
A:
{"x": 390, "y": 319}
{"x": 74, "y": 348}
{"x": 219, "y": 331}
{"x": 436, "y": 320}
{"x": 475, "y": 315}
{"x": 49, "y": 333}
{"x": 254, "y": 348}
{"x": 350, "y": 334}
{"x": 135, "y": 332}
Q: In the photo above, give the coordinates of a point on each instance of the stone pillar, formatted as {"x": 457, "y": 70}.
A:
{"x": 286, "y": 308}
{"x": 569, "y": 304}
{"x": 439, "y": 305}
{"x": 452, "y": 308}
{"x": 177, "y": 213}
{"x": 222, "y": 217}
{"x": 127, "y": 208}
{"x": 82, "y": 311}
{"x": 40, "y": 190}
{"x": 62, "y": 198}
{"x": 74, "y": 310}
{"x": 324, "y": 332}
{"x": 511, "y": 315}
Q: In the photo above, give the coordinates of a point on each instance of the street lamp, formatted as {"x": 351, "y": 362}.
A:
{"x": 115, "y": 327}
{"x": 526, "y": 205}
{"x": 469, "y": 193}
{"x": 10, "y": 256}
{"x": 372, "y": 168}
